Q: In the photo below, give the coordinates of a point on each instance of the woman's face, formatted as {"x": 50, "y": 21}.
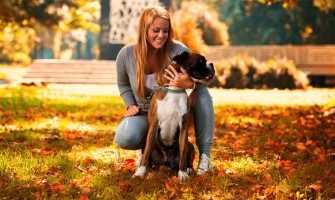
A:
{"x": 158, "y": 32}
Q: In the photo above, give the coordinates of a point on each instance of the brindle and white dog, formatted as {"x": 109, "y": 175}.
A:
{"x": 169, "y": 117}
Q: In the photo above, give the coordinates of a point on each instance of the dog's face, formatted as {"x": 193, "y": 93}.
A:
{"x": 196, "y": 66}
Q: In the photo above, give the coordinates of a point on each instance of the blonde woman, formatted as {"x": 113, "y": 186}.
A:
{"x": 140, "y": 66}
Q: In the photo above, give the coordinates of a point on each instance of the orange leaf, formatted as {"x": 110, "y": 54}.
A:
{"x": 86, "y": 190}
{"x": 309, "y": 142}
{"x": 46, "y": 152}
{"x": 83, "y": 198}
{"x": 128, "y": 161}
{"x": 237, "y": 145}
{"x": 270, "y": 142}
{"x": 52, "y": 169}
{"x": 56, "y": 187}
{"x": 2, "y": 138}
{"x": 124, "y": 187}
{"x": 87, "y": 160}
{"x": 76, "y": 148}
{"x": 86, "y": 179}
{"x": 36, "y": 150}
{"x": 268, "y": 178}
{"x": 169, "y": 187}
{"x": 301, "y": 146}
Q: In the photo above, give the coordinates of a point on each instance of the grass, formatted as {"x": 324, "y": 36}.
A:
{"x": 56, "y": 145}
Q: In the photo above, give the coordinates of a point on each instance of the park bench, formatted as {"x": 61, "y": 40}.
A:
{"x": 43, "y": 71}
{"x": 317, "y": 61}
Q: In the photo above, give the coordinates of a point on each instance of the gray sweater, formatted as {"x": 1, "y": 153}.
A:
{"x": 126, "y": 73}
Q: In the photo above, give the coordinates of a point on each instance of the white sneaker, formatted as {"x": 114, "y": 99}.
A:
{"x": 204, "y": 165}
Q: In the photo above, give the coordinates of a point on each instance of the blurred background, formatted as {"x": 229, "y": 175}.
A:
{"x": 231, "y": 32}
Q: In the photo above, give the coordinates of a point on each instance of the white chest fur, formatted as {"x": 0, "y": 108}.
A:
{"x": 170, "y": 115}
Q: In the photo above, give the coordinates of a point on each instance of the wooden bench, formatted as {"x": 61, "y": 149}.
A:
{"x": 45, "y": 71}
{"x": 317, "y": 61}
{"x": 314, "y": 60}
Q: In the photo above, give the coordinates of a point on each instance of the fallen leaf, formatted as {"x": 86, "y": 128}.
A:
{"x": 87, "y": 160}
{"x": 85, "y": 190}
{"x": 301, "y": 146}
{"x": 56, "y": 187}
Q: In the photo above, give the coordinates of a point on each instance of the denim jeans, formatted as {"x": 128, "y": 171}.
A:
{"x": 132, "y": 131}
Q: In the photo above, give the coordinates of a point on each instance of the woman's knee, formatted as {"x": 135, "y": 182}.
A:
{"x": 131, "y": 133}
{"x": 203, "y": 97}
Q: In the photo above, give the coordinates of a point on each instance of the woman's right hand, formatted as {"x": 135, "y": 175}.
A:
{"x": 133, "y": 110}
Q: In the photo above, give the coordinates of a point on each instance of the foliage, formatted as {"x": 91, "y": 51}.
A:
{"x": 38, "y": 26}
{"x": 16, "y": 43}
{"x": 246, "y": 72}
{"x": 282, "y": 74}
{"x": 27, "y": 12}
{"x": 323, "y": 5}
{"x": 60, "y": 146}
{"x": 196, "y": 21}
{"x": 276, "y": 22}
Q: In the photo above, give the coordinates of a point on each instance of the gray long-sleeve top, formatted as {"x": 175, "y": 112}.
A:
{"x": 126, "y": 72}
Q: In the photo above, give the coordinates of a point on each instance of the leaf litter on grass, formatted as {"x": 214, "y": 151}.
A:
{"x": 60, "y": 146}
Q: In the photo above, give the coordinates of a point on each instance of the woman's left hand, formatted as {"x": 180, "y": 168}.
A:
{"x": 180, "y": 80}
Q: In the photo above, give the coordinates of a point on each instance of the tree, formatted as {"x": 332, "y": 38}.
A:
{"x": 29, "y": 12}
{"x": 46, "y": 21}
{"x": 265, "y": 22}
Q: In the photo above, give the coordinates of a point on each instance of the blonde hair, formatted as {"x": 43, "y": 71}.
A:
{"x": 142, "y": 46}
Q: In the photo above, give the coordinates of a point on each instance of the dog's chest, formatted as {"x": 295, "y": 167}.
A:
{"x": 170, "y": 112}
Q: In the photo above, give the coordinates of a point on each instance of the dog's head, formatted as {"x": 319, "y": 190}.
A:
{"x": 196, "y": 66}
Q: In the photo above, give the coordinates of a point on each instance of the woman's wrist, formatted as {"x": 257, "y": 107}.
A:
{"x": 130, "y": 106}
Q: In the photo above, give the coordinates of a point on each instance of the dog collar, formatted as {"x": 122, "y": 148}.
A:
{"x": 166, "y": 89}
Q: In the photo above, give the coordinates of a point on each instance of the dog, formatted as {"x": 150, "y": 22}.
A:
{"x": 169, "y": 116}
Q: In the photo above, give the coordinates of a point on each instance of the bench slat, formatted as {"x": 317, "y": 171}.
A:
{"x": 71, "y": 72}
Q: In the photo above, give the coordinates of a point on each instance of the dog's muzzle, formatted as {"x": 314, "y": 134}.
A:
{"x": 204, "y": 74}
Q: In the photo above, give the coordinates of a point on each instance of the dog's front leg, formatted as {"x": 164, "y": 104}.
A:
{"x": 182, "y": 173}
{"x": 141, "y": 170}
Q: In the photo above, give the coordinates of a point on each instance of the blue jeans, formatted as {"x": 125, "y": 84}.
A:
{"x": 132, "y": 131}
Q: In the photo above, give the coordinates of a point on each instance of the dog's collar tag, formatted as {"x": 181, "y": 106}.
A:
{"x": 166, "y": 89}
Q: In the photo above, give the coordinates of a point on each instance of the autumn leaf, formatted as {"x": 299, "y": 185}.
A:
{"x": 52, "y": 170}
{"x": 86, "y": 190}
{"x": 56, "y": 188}
{"x": 309, "y": 142}
{"x": 129, "y": 165}
{"x": 83, "y": 198}
{"x": 71, "y": 134}
{"x": 124, "y": 187}
{"x": 169, "y": 187}
{"x": 87, "y": 160}
{"x": 301, "y": 146}
{"x": 86, "y": 179}
{"x": 128, "y": 161}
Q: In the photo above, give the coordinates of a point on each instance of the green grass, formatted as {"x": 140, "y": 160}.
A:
{"x": 55, "y": 145}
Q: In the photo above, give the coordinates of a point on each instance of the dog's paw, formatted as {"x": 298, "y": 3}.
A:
{"x": 182, "y": 175}
{"x": 140, "y": 172}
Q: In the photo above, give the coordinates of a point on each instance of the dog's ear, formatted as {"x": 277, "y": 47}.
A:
{"x": 181, "y": 58}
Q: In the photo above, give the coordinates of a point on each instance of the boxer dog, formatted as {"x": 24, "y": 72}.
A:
{"x": 169, "y": 117}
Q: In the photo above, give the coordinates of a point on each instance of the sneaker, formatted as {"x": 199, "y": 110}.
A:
{"x": 204, "y": 165}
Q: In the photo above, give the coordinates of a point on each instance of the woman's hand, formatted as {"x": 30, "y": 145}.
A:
{"x": 133, "y": 110}
{"x": 180, "y": 80}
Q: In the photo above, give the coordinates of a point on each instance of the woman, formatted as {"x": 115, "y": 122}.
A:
{"x": 140, "y": 66}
